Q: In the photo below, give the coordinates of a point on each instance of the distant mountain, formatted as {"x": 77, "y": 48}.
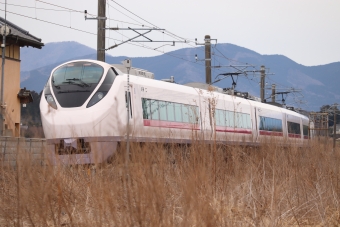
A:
{"x": 51, "y": 53}
{"x": 318, "y": 84}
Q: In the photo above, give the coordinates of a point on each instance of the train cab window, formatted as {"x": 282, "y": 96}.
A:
{"x": 73, "y": 83}
{"x": 270, "y": 124}
{"x": 86, "y": 72}
{"x": 293, "y": 128}
{"x": 92, "y": 73}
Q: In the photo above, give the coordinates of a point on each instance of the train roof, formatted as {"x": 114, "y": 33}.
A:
{"x": 134, "y": 71}
{"x": 204, "y": 89}
{"x": 199, "y": 87}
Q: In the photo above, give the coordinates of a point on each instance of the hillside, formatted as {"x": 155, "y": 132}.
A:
{"x": 318, "y": 84}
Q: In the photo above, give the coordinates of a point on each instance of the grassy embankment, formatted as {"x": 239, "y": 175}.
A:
{"x": 203, "y": 186}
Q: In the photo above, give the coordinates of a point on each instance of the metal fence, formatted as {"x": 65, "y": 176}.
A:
{"x": 15, "y": 150}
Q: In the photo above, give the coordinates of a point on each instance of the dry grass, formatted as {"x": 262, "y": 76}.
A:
{"x": 176, "y": 186}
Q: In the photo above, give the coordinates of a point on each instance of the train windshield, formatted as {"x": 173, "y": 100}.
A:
{"x": 74, "y": 82}
{"x": 82, "y": 73}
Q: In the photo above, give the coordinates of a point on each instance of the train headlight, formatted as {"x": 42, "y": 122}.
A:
{"x": 50, "y": 101}
{"x": 100, "y": 95}
{"x": 96, "y": 98}
{"x": 48, "y": 96}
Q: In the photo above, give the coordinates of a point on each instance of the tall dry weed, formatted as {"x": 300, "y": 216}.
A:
{"x": 177, "y": 185}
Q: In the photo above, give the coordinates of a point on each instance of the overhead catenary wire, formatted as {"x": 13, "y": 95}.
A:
{"x": 65, "y": 9}
{"x": 78, "y": 11}
{"x": 65, "y": 26}
{"x": 145, "y": 20}
{"x": 31, "y": 7}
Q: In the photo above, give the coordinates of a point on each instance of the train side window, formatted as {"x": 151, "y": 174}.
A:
{"x": 238, "y": 120}
{"x": 178, "y": 112}
{"x": 185, "y": 113}
{"x": 231, "y": 118}
{"x": 217, "y": 117}
{"x": 248, "y": 121}
{"x": 293, "y": 128}
{"x": 305, "y": 130}
{"x": 146, "y": 108}
{"x": 262, "y": 123}
{"x": 224, "y": 117}
{"x": 162, "y": 111}
{"x": 194, "y": 114}
{"x": 154, "y": 110}
{"x": 270, "y": 124}
{"x": 170, "y": 111}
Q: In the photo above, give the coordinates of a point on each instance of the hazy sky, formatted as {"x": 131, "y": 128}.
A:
{"x": 307, "y": 31}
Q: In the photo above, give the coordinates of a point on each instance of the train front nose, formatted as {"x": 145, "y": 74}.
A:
{"x": 74, "y": 117}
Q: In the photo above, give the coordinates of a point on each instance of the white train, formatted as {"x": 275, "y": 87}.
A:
{"x": 84, "y": 113}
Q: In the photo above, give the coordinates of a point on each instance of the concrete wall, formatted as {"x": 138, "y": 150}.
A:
{"x": 14, "y": 151}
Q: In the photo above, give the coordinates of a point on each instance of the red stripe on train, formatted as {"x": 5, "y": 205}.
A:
{"x": 292, "y": 135}
{"x": 232, "y": 130}
{"x": 270, "y": 133}
{"x": 170, "y": 124}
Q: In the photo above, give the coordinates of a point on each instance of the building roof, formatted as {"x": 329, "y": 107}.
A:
{"x": 20, "y": 36}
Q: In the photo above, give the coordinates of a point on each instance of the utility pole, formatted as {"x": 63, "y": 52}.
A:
{"x": 273, "y": 93}
{"x": 263, "y": 75}
{"x": 101, "y": 30}
{"x": 207, "y": 59}
{"x": 4, "y": 31}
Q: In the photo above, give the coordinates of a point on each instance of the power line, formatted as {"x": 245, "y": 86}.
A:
{"x": 60, "y": 25}
{"x": 63, "y": 10}
{"x": 63, "y": 7}
{"x": 31, "y": 7}
{"x": 150, "y": 22}
{"x": 109, "y": 38}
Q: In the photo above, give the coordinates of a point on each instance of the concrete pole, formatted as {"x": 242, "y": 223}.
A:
{"x": 2, "y": 118}
{"x": 273, "y": 92}
{"x": 207, "y": 59}
{"x": 101, "y": 30}
{"x": 263, "y": 75}
{"x": 3, "y": 45}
